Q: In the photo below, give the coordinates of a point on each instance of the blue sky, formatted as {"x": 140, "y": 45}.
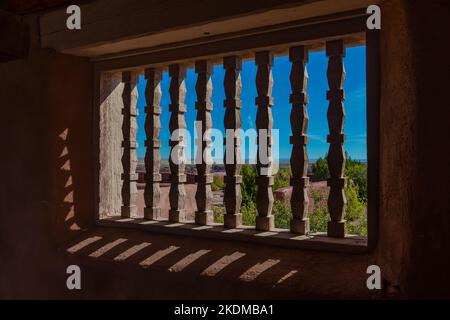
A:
{"x": 355, "y": 104}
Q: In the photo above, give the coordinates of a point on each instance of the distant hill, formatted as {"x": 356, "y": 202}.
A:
{"x": 190, "y": 168}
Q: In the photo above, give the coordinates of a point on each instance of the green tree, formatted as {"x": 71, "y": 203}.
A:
{"x": 248, "y": 186}
{"x": 355, "y": 170}
{"x": 357, "y": 173}
{"x": 320, "y": 168}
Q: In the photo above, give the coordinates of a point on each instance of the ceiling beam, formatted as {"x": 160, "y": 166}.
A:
{"x": 114, "y": 26}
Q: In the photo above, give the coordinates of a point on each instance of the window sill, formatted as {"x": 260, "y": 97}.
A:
{"x": 277, "y": 237}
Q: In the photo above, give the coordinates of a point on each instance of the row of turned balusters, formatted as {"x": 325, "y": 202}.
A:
{"x": 298, "y": 57}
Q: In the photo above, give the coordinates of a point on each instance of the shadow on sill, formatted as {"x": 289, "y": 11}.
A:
{"x": 141, "y": 264}
{"x": 277, "y": 237}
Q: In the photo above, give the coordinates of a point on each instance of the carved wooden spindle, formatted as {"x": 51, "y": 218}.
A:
{"x": 129, "y": 145}
{"x": 337, "y": 201}
{"x": 299, "y": 124}
{"x": 152, "y": 193}
{"x": 204, "y": 195}
{"x": 232, "y": 123}
{"x": 177, "y": 124}
{"x": 264, "y": 124}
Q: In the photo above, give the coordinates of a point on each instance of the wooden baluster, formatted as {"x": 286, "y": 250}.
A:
{"x": 264, "y": 124}
{"x": 232, "y": 123}
{"x": 204, "y": 195}
{"x": 129, "y": 145}
{"x": 152, "y": 193}
{"x": 337, "y": 201}
{"x": 299, "y": 124}
{"x": 177, "y": 124}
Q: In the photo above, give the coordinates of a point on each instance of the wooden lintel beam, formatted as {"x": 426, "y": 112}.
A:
{"x": 114, "y": 26}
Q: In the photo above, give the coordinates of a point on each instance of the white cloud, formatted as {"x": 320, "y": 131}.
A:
{"x": 317, "y": 137}
{"x": 250, "y": 121}
{"x": 356, "y": 95}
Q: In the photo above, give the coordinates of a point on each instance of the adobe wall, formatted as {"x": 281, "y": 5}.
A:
{"x": 430, "y": 215}
{"x": 47, "y": 189}
{"x": 397, "y": 144}
{"x": 415, "y": 206}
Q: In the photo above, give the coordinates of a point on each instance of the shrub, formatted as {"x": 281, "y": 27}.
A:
{"x": 249, "y": 213}
{"x": 356, "y": 215}
{"x": 356, "y": 171}
{"x": 217, "y": 184}
{"x": 355, "y": 207}
{"x": 318, "y": 219}
{"x": 282, "y": 212}
{"x": 358, "y": 227}
{"x": 282, "y": 178}
{"x": 218, "y": 214}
